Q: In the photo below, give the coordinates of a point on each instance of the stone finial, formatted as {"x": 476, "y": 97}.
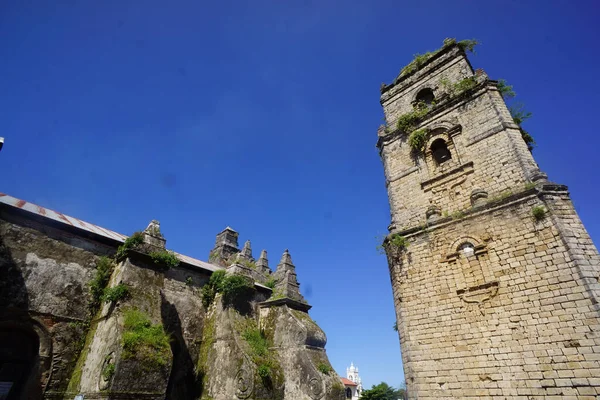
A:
{"x": 247, "y": 250}
{"x": 286, "y": 259}
{"x": 263, "y": 263}
{"x": 153, "y": 229}
{"x": 285, "y": 276}
{"x": 153, "y": 236}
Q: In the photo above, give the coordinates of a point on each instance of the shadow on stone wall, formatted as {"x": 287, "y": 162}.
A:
{"x": 183, "y": 384}
{"x": 13, "y": 293}
{"x": 20, "y": 360}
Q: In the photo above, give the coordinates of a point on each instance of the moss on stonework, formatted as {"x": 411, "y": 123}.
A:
{"x": 259, "y": 347}
{"x": 206, "y": 346}
{"x": 144, "y": 341}
{"x": 75, "y": 381}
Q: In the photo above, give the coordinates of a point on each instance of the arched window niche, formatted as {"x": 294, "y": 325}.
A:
{"x": 425, "y": 96}
{"x": 439, "y": 151}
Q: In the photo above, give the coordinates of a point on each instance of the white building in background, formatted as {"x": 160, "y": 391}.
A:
{"x": 352, "y": 383}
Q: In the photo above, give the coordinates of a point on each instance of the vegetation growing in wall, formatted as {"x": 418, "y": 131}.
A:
{"x": 131, "y": 242}
{"x": 418, "y": 139}
{"x": 395, "y": 326}
{"x": 236, "y": 287}
{"x": 75, "y": 380}
{"x": 145, "y": 341}
{"x": 260, "y": 353}
{"x": 116, "y": 293}
{"x": 231, "y": 286}
{"x": 505, "y": 89}
{"x": 104, "y": 269}
{"x": 270, "y": 283}
{"x": 209, "y": 291}
{"x": 165, "y": 259}
{"x": 538, "y": 212}
{"x": 397, "y": 242}
{"x": 458, "y": 88}
{"x": 108, "y": 371}
{"x": 517, "y": 111}
{"x": 324, "y": 368}
{"x": 247, "y": 263}
{"x": 519, "y": 115}
{"x": 276, "y": 295}
{"x": 420, "y": 59}
{"x": 409, "y": 121}
{"x": 208, "y": 339}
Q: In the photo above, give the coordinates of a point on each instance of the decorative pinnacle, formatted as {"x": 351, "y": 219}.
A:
{"x": 286, "y": 258}
{"x": 263, "y": 255}
{"x": 263, "y": 262}
{"x": 247, "y": 250}
{"x": 153, "y": 228}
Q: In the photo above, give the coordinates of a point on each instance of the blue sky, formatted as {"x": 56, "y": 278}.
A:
{"x": 263, "y": 115}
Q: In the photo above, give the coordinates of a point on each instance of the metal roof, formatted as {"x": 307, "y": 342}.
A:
{"x": 86, "y": 226}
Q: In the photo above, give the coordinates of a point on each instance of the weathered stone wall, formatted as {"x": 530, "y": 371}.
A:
{"x": 48, "y": 322}
{"x": 487, "y": 150}
{"x": 491, "y": 302}
{"x": 516, "y": 319}
{"x": 43, "y": 278}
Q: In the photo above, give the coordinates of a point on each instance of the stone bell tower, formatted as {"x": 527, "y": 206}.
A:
{"x": 495, "y": 279}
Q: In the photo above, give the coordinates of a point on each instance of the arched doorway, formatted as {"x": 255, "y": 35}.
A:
{"x": 19, "y": 363}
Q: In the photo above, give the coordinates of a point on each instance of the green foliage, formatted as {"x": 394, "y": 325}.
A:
{"x": 408, "y": 122}
{"x": 324, "y": 368}
{"x": 165, "y": 259}
{"x": 247, "y": 263}
{"x": 397, "y": 242}
{"x": 418, "y": 139}
{"x": 235, "y": 287}
{"x": 519, "y": 115}
{"x": 395, "y": 326}
{"x": 257, "y": 341}
{"x": 208, "y": 295}
{"x": 383, "y": 391}
{"x": 108, "y": 371}
{"x": 143, "y": 340}
{"x": 420, "y": 59}
{"x": 189, "y": 281}
{"x": 264, "y": 371}
{"x": 276, "y": 295}
{"x": 116, "y": 293}
{"x": 209, "y": 291}
{"x": 131, "y": 242}
{"x": 231, "y": 286}
{"x": 457, "y": 215}
{"x": 104, "y": 269}
{"x": 458, "y": 88}
{"x": 538, "y": 212}
{"x": 270, "y": 283}
{"x": 505, "y": 89}
{"x": 260, "y": 352}
{"x": 468, "y": 45}
{"x": 464, "y": 84}
{"x": 417, "y": 62}
{"x": 217, "y": 278}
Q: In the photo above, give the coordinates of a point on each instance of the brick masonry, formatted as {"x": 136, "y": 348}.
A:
{"x": 516, "y": 315}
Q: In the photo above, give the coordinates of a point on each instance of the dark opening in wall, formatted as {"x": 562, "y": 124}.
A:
{"x": 425, "y": 96}
{"x": 439, "y": 151}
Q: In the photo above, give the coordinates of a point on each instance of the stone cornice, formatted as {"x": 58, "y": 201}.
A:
{"x": 295, "y": 304}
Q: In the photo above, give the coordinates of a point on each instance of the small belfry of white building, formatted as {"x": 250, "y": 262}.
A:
{"x": 353, "y": 383}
